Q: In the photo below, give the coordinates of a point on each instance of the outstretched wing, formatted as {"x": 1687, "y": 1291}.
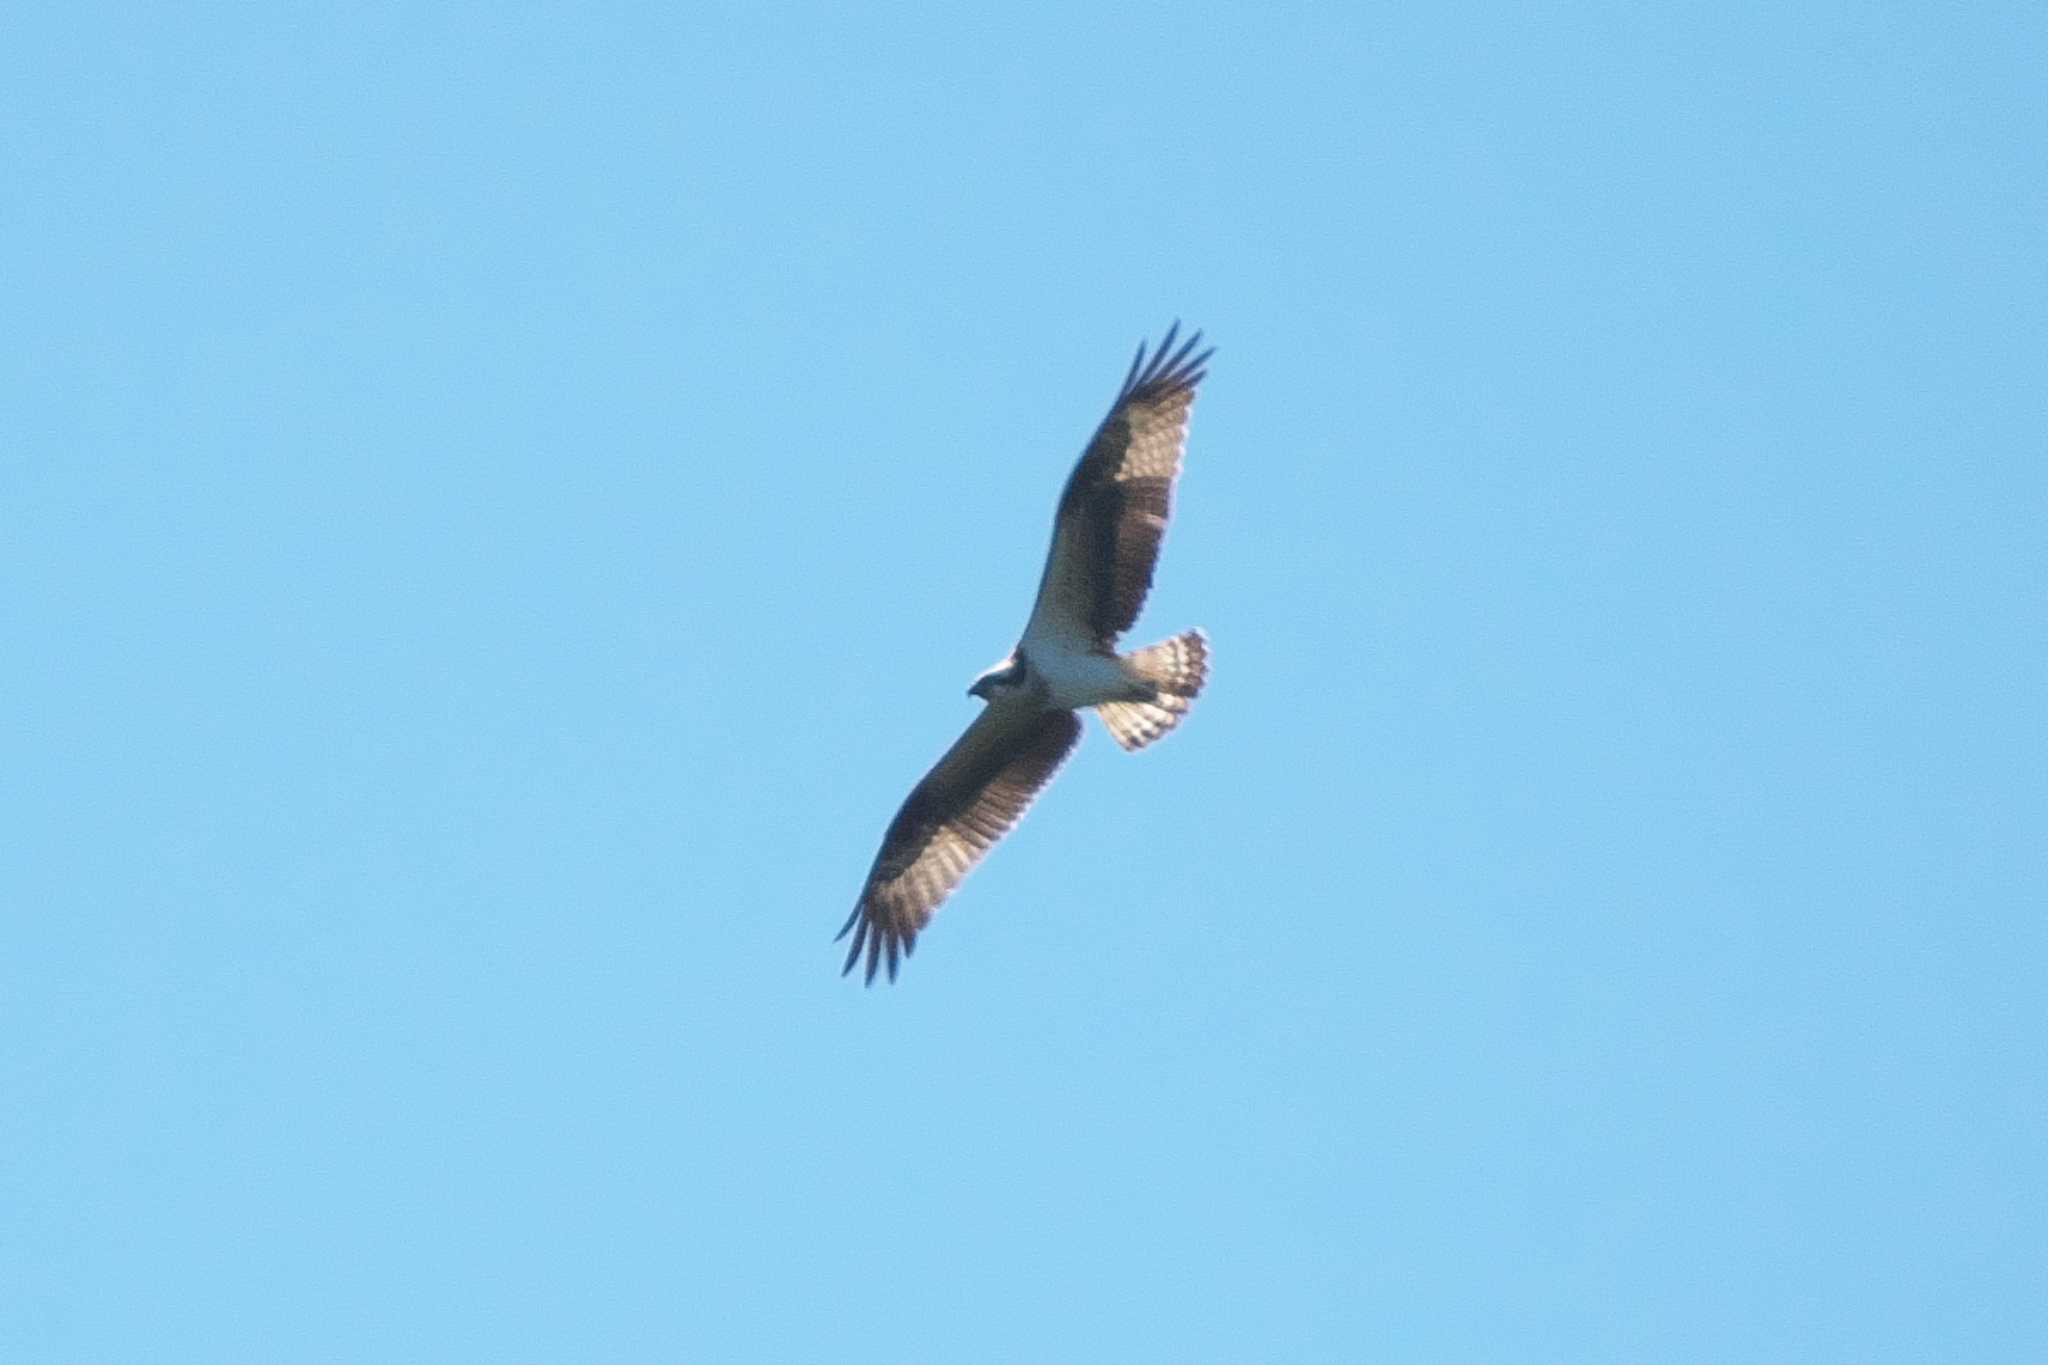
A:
{"x": 1105, "y": 537}
{"x": 966, "y": 803}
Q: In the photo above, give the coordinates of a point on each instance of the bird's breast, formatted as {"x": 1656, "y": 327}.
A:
{"x": 1074, "y": 679}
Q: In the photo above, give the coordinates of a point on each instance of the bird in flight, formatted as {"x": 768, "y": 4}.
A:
{"x": 1105, "y": 542}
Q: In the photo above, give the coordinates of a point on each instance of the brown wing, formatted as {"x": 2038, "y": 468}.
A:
{"x": 970, "y": 800}
{"x": 1105, "y": 538}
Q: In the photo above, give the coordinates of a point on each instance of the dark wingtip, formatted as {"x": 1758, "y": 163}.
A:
{"x": 880, "y": 944}
{"x": 867, "y": 938}
{"x": 1169, "y": 368}
{"x": 1131, "y": 375}
{"x": 859, "y": 941}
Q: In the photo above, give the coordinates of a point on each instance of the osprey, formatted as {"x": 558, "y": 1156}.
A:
{"x": 1105, "y": 541}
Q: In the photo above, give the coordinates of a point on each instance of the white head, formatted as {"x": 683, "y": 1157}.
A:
{"x": 1004, "y": 678}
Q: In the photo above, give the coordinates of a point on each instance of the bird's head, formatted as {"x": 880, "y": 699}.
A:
{"x": 1006, "y": 676}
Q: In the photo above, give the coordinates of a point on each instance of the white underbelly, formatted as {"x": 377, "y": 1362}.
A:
{"x": 1075, "y": 679}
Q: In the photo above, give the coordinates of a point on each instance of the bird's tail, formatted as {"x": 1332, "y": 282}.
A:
{"x": 1175, "y": 670}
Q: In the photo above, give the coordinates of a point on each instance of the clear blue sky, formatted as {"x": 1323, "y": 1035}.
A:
{"x": 501, "y": 502}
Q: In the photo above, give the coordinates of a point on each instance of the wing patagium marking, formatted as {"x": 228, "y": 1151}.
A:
{"x": 970, "y": 799}
{"x": 1114, "y": 509}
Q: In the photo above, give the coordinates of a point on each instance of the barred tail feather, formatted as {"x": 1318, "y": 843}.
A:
{"x": 1175, "y": 669}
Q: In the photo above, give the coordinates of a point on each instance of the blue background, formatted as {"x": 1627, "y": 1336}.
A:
{"x": 501, "y": 502}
